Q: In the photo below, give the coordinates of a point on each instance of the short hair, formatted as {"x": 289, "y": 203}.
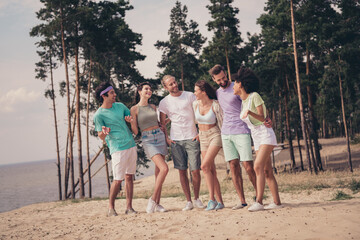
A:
{"x": 249, "y": 81}
{"x": 215, "y": 70}
{"x": 207, "y": 88}
{"x": 139, "y": 88}
{"x": 164, "y": 78}
{"x": 99, "y": 89}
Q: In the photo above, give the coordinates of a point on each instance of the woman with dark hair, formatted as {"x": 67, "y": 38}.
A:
{"x": 208, "y": 116}
{"x": 253, "y": 113}
{"x": 153, "y": 139}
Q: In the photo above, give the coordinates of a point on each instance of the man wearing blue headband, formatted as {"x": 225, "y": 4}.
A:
{"x": 110, "y": 124}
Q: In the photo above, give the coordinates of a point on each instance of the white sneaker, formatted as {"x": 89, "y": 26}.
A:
{"x": 273, "y": 206}
{"x": 198, "y": 203}
{"x": 151, "y": 206}
{"x": 188, "y": 206}
{"x": 256, "y": 207}
{"x": 159, "y": 208}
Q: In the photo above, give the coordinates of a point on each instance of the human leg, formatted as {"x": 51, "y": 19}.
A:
{"x": 129, "y": 189}
{"x": 237, "y": 179}
{"x": 249, "y": 168}
{"x": 208, "y": 168}
{"x": 163, "y": 169}
{"x": 114, "y": 190}
{"x": 271, "y": 181}
{"x": 262, "y": 156}
{"x": 184, "y": 180}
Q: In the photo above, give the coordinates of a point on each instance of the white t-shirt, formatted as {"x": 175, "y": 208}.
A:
{"x": 180, "y": 111}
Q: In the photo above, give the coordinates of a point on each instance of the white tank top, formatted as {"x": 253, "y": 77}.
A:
{"x": 208, "y": 118}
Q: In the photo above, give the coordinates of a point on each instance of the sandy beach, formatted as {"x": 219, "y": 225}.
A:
{"x": 313, "y": 210}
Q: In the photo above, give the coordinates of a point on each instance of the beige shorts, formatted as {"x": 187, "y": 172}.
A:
{"x": 210, "y": 137}
{"x": 124, "y": 162}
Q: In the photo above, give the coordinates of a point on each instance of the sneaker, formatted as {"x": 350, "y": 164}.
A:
{"x": 151, "y": 206}
{"x": 211, "y": 205}
{"x": 273, "y": 206}
{"x": 239, "y": 206}
{"x": 188, "y": 206}
{"x": 111, "y": 213}
{"x": 256, "y": 207}
{"x": 219, "y": 206}
{"x": 159, "y": 208}
{"x": 198, "y": 203}
{"x": 130, "y": 211}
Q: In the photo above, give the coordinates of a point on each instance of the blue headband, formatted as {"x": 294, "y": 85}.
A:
{"x": 106, "y": 90}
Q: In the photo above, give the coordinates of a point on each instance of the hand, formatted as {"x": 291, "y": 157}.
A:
{"x": 129, "y": 119}
{"x": 169, "y": 141}
{"x": 196, "y": 138}
{"x": 246, "y": 113}
{"x": 105, "y": 130}
{"x": 268, "y": 122}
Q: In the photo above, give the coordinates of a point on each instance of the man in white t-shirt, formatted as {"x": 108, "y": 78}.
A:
{"x": 184, "y": 142}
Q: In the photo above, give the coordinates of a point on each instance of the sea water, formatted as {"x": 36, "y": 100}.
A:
{"x": 27, "y": 183}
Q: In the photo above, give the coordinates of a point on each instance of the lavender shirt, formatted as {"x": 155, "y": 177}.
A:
{"x": 231, "y": 106}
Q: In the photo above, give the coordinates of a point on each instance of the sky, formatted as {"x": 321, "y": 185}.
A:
{"x": 26, "y": 119}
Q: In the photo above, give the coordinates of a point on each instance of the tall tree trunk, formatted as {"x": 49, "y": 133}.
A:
{"x": 281, "y": 132}
{"x": 87, "y": 131}
{"x": 298, "y": 84}
{"x": 343, "y": 116}
{"x": 78, "y": 125}
{"x": 311, "y": 150}
{"x": 299, "y": 147}
{"x": 289, "y": 135}
{"x": 68, "y": 104}
{"x": 182, "y": 77}
{"x": 228, "y": 64}
{"x": 107, "y": 173}
{"x": 313, "y": 129}
{"x": 56, "y": 130}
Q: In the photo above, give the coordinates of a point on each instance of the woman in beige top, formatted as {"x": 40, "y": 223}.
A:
{"x": 208, "y": 116}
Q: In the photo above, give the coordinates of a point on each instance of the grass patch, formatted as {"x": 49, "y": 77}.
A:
{"x": 340, "y": 195}
{"x": 354, "y": 186}
{"x": 321, "y": 186}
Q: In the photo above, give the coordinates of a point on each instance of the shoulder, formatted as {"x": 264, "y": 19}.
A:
{"x": 195, "y": 104}
{"x": 256, "y": 95}
{"x": 216, "y": 105}
{"x": 153, "y": 106}
{"x": 133, "y": 109}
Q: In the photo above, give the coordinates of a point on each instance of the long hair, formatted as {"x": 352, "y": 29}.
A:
{"x": 207, "y": 88}
{"x": 139, "y": 88}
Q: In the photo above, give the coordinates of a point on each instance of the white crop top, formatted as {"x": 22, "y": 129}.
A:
{"x": 208, "y": 118}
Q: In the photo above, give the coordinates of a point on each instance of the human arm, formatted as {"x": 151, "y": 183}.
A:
{"x": 133, "y": 123}
{"x": 163, "y": 126}
{"x": 103, "y": 133}
{"x": 258, "y": 116}
{"x": 268, "y": 122}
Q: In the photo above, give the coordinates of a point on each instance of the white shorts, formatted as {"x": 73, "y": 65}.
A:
{"x": 124, "y": 162}
{"x": 262, "y": 135}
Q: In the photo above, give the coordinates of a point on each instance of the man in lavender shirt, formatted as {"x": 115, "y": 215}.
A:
{"x": 235, "y": 134}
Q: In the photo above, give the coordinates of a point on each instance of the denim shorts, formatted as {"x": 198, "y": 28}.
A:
{"x": 237, "y": 145}
{"x": 184, "y": 153}
{"x": 154, "y": 143}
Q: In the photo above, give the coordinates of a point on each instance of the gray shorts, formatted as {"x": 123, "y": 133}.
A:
{"x": 186, "y": 152}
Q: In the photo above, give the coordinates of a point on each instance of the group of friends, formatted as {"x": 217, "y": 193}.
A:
{"x": 226, "y": 118}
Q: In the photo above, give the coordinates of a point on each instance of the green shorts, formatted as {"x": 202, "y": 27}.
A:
{"x": 237, "y": 145}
